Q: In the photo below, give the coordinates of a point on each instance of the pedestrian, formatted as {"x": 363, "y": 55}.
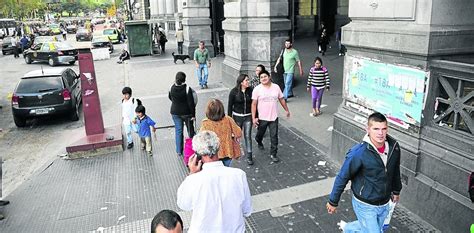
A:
{"x": 318, "y": 80}
{"x": 129, "y": 104}
{"x": 341, "y": 47}
{"x": 162, "y": 40}
{"x": 24, "y": 43}
{"x": 240, "y": 108}
{"x": 226, "y": 129}
{"x": 203, "y": 62}
{"x": 15, "y": 43}
{"x": 373, "y": 167}
{"x": 183, "y": 110}
{"x": 289, "y": 56}
{"x": 167, "y": 221}
{"x": 255, "y": 79}
{"x": 145, "y": 125}
{"x": 323, "y": 41}
{"x": 123, "y": 56}
{"x": 64, "y": 32}
{"x": 264, "y": 100}
{"x": 180, "y": 39}
{"x": 2, "y": 202}
{"x": 218, "y": 196}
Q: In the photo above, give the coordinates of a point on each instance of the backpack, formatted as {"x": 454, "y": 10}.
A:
{"x": 471, "y": 186}
{"x": 195, "y": 97}
{"x": 139, "y": 102}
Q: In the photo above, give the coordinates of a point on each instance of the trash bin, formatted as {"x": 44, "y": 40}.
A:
{"x": 139, "y": 37}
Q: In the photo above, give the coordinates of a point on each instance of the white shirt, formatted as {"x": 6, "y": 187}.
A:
{"x": 128, "y": 110}
{"x": 219, "y": 197}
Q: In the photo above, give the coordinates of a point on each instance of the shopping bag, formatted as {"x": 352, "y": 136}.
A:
{"x": 188, "y": 150}
{"x": 386, "y": 222}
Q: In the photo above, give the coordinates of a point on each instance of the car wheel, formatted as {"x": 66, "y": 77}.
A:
{"x": 4, "y": 53}
{"x": 19, "y": 122}
{"x": 75, "y": 114}
{"x": 72, "y": 62}
{"x": 28, "y": 59}
{"x": 51, "y": 61}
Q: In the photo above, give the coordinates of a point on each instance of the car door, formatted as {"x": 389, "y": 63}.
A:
{"x": 43, "y": 53}
{"x": 35, "y": 52}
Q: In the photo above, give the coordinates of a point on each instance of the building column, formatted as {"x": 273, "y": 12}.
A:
{"x": 392, "y": 47}
{"x": 161, "y": 8}
{"x": 196, "y": 26}
{"x": 255, "y": 31}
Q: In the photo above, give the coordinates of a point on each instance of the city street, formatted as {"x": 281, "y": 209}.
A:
{"x": 121, "y": 192}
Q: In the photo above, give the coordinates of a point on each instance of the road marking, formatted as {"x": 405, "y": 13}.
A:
{"x": 260, "y": 202}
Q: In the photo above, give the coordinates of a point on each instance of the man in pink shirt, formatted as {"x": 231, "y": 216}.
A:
{"x": 265, "y": 98}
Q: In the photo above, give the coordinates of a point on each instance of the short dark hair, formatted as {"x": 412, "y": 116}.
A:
{"x": 261, "y": 66}
{"x": 168, "y": 219}
{"x": 377, "y": 117}
{"x": 215, "y": 110}
{"x": 289, "y": 40}
{"x": 140, "y": 109}
{"x": 127, "y": 90}
{"x": 180, "y": 78}
{"x": 318, "y": 59}
{"x": 264, "y": 72}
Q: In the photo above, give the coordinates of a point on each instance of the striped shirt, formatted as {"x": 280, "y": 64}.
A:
{"x": 318, "y": 78}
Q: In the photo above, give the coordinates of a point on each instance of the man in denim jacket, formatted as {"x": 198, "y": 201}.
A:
{"x": 373, "y": 167}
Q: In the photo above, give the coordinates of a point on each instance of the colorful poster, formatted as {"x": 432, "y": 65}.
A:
{"x": 396, "y": 91}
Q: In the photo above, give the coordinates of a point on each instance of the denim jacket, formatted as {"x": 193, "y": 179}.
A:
{"x": 371, "y": 181}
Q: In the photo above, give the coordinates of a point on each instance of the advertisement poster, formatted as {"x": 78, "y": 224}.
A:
{"x": 396, "y": 91}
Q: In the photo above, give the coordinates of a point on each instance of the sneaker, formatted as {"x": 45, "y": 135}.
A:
{"x": 341, "y": 225}
{"x": 130, "y": 145}
{"x": 274, "y": 158}
{"x": 149, "y": 153}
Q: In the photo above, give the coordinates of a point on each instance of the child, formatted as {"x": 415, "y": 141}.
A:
{"x": 144, "y": 123}
{"x": 318, "y": 79}
{"x": 129, "y": 105}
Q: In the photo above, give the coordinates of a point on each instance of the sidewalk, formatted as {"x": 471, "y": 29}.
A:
{"x": 121, "y": 192}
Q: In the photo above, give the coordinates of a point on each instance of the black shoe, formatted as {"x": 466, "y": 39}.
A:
{"x": 4, "y": 203}
{"x": 130, "y": 145}
{"x": 260, "y": 145}
{"x": 205, "y": 86}
{"x": 274, "y": 158}
{"x": 249, "y": 159}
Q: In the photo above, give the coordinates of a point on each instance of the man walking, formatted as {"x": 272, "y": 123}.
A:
{"x": 203, "y": 62}
{"x": 290, "y": 58}
{"x": 14, "y": 43}
{"x": 219, "y": 196}
{"x": 373, "y": 167}
{"x": 265, "y": 98}
{"x": 180, "y": 39}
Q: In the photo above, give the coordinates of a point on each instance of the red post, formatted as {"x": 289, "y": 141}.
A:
{"x": 90, "y": 94}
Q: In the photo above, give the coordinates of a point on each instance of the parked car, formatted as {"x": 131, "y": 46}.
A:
{"x": 52, "y": 52}
{"x": 7, "y": 47}
{"x": 45, "y": 31}
{"x": 46, "y": 92}
{"x": 55, "y": 29}
{"x": 113, "y": 34}
{"x": 71, "y": 29}
{"x": 83, "y": 34}
{"x": 42, "y": 39}
{"x": 102, "y": 42}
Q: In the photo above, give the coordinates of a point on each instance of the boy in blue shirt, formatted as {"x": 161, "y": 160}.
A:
{"x": 144, "y": 124}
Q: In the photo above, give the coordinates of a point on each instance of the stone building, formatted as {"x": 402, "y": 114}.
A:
{"x": 412, "y": 60}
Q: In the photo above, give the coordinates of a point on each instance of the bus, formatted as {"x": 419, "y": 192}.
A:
{"x": 7, "y": 27}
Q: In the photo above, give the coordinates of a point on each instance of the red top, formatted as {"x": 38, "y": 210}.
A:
{"x": 381, "y": 149}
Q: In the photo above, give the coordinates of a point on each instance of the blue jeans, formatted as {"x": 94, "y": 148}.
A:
{"x": 288, "y": 79}
{"x": 128, "y": 131}
{"x": 202, "y": 73}
{"x": 370, "y": 218}
{"x": 179, "y": 122}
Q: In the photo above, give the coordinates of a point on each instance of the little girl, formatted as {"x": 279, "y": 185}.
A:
{"x": 318, "y": 79}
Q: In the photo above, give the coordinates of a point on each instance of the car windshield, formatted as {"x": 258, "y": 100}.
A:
{"x": 63, "y": 46}
{"x": 109, "y": 32}
{"x": 7, "y": 40}
{"x": 100, "y": 39}
{"x": 37, "y": 85}
{"x": 82, "y": 31}
{"x": 41, "y": 39}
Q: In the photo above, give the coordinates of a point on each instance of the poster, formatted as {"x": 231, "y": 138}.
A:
{"x": 396, "y": 91}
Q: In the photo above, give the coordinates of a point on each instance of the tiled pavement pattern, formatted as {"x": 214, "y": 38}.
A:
{"x": 122, "y": 192}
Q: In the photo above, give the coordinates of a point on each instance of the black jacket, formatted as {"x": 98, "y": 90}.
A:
{"x": 182, "y": 103}
{"x": 240, "y": 102}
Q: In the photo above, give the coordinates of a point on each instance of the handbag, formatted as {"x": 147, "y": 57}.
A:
{"x": 235, "y": 145}
{"x": 188, "y": 148}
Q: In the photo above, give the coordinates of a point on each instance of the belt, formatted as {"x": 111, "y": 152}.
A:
{"x": 240, "y": 114}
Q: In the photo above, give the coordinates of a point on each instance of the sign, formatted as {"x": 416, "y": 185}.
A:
{"x": 396, "y": 91}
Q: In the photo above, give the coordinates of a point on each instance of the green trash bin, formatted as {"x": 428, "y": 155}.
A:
{"x": 139, "y": 38}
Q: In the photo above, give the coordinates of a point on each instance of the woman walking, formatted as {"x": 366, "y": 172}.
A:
{"x": 183, "y": 110}
{"x": 255, "y": 79}
{"x": 318, "y": 79}
{"x": 226, "y": 129}
{"x": 240, "y": 108}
